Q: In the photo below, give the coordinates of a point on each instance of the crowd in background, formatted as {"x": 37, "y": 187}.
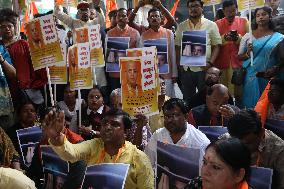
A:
{"x": 241, "y": 87}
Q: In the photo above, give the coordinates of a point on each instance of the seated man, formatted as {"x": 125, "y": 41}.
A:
{"x": 276, "y": 100}
{"x": 110, "y": 148}
{"x": 267, "y": 149}
{"x": 216, "y": 111}
{"x": 177, "y": 130}
{"x": 212, "y": 77}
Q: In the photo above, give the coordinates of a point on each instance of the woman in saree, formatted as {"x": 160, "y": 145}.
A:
{"x": 267, "y": 56}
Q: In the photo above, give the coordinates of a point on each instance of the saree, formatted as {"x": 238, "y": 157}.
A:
{"x": 264, "y": 59}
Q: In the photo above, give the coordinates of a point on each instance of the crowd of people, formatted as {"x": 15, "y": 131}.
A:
{"x": 241, "y": 87}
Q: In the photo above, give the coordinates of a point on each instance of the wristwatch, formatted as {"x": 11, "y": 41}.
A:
{"x": 93, "y": 133}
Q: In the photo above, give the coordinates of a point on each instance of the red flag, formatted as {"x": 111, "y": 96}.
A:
{"x": 110, "y": 5}
{"x": 174, "y": 9}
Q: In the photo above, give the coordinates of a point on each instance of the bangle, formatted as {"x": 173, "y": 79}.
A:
{"x": 1, "y": 62}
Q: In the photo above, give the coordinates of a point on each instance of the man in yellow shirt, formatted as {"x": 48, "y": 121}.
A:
{"x": 193, "y": 77}
{"x": 110, "y": 148}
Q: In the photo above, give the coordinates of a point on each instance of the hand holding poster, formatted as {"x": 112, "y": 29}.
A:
{"x": 116, "y": 47}
{"x": 106, "y": 175}
{"x": 193, "y": 48}
{"x": 249, "y": 4}
{"x": 43, "y": 42}
{"x": 80, "y": 68}
{"x": 162, "y": 53}
{"x": 139, "y": 86}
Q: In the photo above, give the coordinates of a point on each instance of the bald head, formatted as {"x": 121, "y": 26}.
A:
{"x": 217, "y": 95}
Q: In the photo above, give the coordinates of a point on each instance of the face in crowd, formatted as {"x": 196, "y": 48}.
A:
{"x": 132, "y": 73}
{"x": 95, "y": 99}
{"x": 154, "y": 19}
{"x": 230, "y": 12}
{"x": 195, "y": 9}
{"x": 28, "y": 115}
{"x": 262, "y": 17}
{"x": 69, "y": 96}
{"x": 84, "y": 14}
{"x": 7, "y": 30}
{"x": 274, "y": 4}
{"x": 121, "y": 18}
{"x": 212, "y": 76}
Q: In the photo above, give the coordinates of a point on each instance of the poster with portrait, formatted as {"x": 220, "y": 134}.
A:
{"x": 249, "y": 4}
{"x": 162, "y": 53}
{"x": 80, "y": 68}
{"x": 115, "y": 48}
{"x": 43, "y": 42}
{"x": 211, "y": 2}
{"x": 58, "y": 73}
{"x": 81, "y": 35}
{"x": 139, "y": 85}
{"x": 174, "y": 170}
{"x": 55, "y": 169}
{"x": 106, "y": 175}
{"x": 28, "y": 138}
{"x": 193, "y": 48}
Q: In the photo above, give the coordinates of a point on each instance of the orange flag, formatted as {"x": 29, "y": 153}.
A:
{"x": 33, "y": 10}
{"x": 174, "y": 9}
{"x": 262, "y": 105}
{"x": 110, "y": 5}
{"x": 59, "y": 2}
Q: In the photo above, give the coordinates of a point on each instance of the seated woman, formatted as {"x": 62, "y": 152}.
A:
{"x": 92, "y": 114}
{"x": 9, "y": 156}
{"x": 70, "y": 105}
{"x": 226, "y": 164}
{"x": 27, "y": 115}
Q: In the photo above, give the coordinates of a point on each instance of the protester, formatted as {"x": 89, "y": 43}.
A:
{"x": 115, "y": 99}
{"x": 219, "y": 14}
{"x": 231, "y": 29}
{"x": 9, "y": 156}
{"x": 84, "y": 20}
{"x": 110, "y": 148}
{"x": 27, "y": 115}
{"x": 112, "y": 17}
{"x": 29, "y": 82}
{"x": 267, "y": 56}
{"x": 226, "y": 164}
{"x": 11, "y": 178}
{"x": 164, "y": 13}
{"x": 275, "y": 97}
{"x": 196, "y": 22}
{"x": 122, "y": 30}
{"x": 267, "y": 149}
{"x": 155, "y": 31}
{"x": 275, "y": 5}
{"x": 70, "y": 105}
{"x": 176, "y": 131}
{"x": 216, "y": 111}
{"x": 93, "y": 113}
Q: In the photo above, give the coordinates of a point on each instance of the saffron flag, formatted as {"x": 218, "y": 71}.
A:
{"x": 174, "y": 9}
{"x": 110, "y": 5}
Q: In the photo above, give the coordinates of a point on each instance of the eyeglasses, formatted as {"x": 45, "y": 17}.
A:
{"x": 9, "y": 26}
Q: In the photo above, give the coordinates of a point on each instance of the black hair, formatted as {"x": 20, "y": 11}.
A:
{"x": 173, "y": 102}
{"x": 112, "y": 13}
{"x": 269, "y": 11}
{"x": 95, "y": 87}
{"x": 126, "y": 119}
{"x": 234, "y": 153}
{"x": 121, "y": 9}
{"x": 190, "y": 1}
{"x": 22, "y": 104}
{"x": 243, "y": 123}
{"x": 220, "y": 13}
{"x": 154, "y": 9}
{"x": 278, "y": 82}
{"x": 228, "y": 3}
{"x": 8, "y": 15}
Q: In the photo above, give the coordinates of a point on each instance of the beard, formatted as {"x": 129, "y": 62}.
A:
{"x": 209, "y": 82}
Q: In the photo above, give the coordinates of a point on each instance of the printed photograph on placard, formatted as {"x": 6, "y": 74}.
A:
{"x": 116, "y": 47}
{"x": 106, "y": 175}
{"x": 175, "y": 171}
{"x": 162, "y": 53}
{"x": 193, "y": 48}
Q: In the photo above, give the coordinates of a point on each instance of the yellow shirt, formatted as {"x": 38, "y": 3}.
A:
{"x": 14, "y": 179}
{"x": 140, "y": 174}
{"x": 213, "y": 36}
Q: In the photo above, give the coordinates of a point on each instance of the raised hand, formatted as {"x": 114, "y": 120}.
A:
{"x": 53, "y": 127}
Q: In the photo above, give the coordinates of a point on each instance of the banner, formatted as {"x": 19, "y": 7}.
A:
{"x": 71, "y": 3}
{"x": 80, "y": 69}
{"x": 58, "y": 73}
{"x": 211, "y": 2}
{"x": 139, "y": 85}
{"x": 55, "y": 169}
{"x": 43, "y": 42}
{"x": 249, "y": 4}
{"x": 116, "y": 48}
{"x": 193, "y": 48}
{"x": 28, "y": 138}
{"x": 106, "y": 175}
{"x": 97, "y": 55}
{"x": 175, "y": 171}
{"x": 162, "y": 53}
